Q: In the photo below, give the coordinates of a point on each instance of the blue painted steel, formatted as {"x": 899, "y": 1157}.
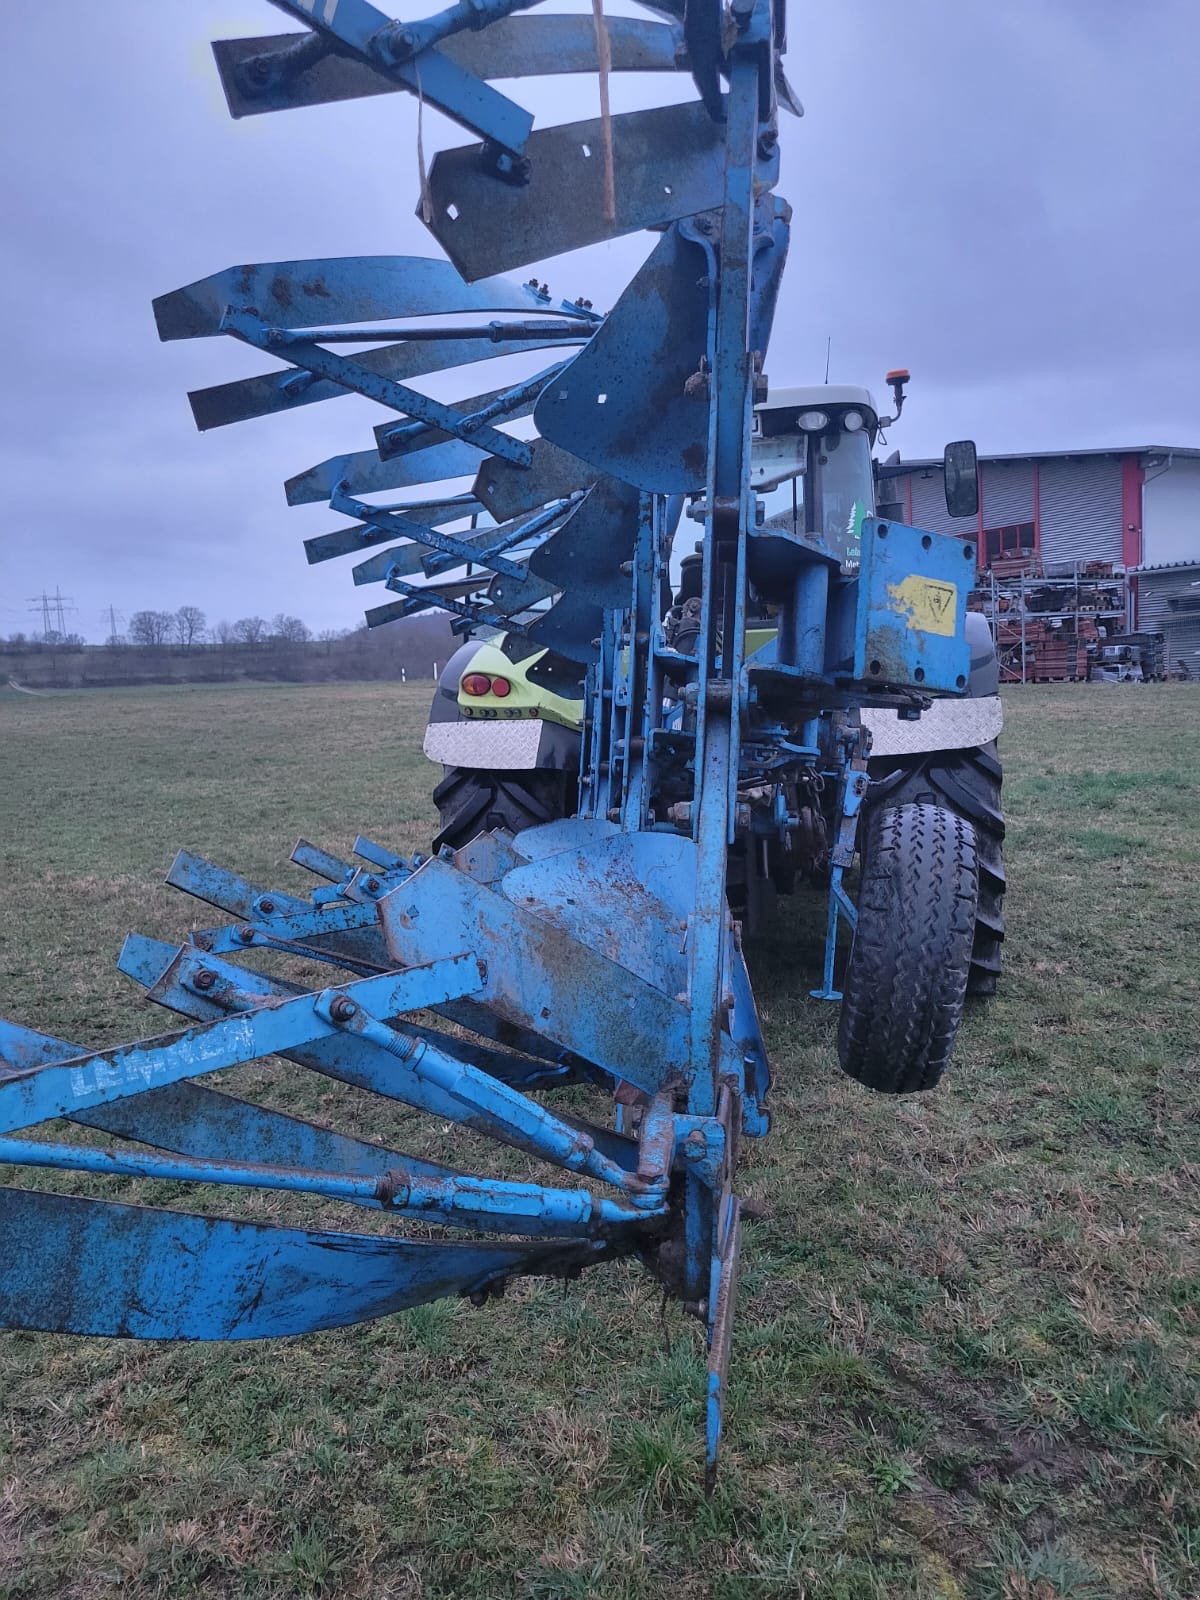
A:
{"x": 518, "y": 531}
{"x": 384, "y": 44}
{"x": 204, "y": 1122}
{"x": 632, "y": 400}
{"x": 351, "y": 289}
{"x": 398, "y": 438}
{"x": 281, "y": 73}
{"x": 669, "y": 162}
{"x": 346, "y": 1058}
{"x": 529, "y": 1125}
{"x": 910, "y": 621}
{"x": 350, "y": 375}
{"x": 322, "y": 863}
{"x": 379, "y": 855}
{"x": 420, "y": 598}
{"x": 270, "y": 392}
{"x": 583, "y": 1001}
{"x": 149, "y": 963}
{"x": 350, "y": 541}
{"x": 413, "y": 1189}
{"x": 511, "y": 491}
{"x": 227, "y": 890}
{"x": 381, "y": 519}
{"x": 60, "y": 1089}
{"x": 598, "y": 949}
{"x": 169, "y": 1275}
{"x": 852, "y": 791}
{"x": 362, "y": 472}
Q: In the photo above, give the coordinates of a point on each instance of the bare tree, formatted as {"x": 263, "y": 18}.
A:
{"x": 290, "y": 630}
{"x": 224, "y": 633}
{"x": 150, "y": 628}
{"x": 190, "y": 624}
{"x": 250, "y": 630}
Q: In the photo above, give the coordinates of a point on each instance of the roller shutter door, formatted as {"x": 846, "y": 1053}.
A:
{"x": 1183, "y": 643}
{"x": 929, "y": 506}
{"x": 1081, "y": 509}
{"x": 1007, "y": 493}
{"x": 1180, "y": 629}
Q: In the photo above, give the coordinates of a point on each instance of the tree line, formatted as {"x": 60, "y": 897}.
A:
{"x": 180, "y": 646}
{"x": 188, "y": 627}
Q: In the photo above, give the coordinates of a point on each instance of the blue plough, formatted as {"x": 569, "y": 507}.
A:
{"x": 598, "y": 949}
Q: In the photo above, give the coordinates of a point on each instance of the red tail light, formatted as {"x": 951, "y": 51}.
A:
{"x": 501, "y": 687}
{"x": 476, "y": 683}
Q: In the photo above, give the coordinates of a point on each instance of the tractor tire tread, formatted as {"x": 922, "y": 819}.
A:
{"x": 471, "y": 801}
{"x": 968, "y": 782}
{"x": 906, "y": 980}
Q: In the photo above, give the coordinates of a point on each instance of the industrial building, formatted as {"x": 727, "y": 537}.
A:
{"x": 1123, "y": 521}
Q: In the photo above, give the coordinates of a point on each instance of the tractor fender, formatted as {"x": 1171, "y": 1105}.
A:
{"x": 950, "y": 723}
{"x": 520, "y": 745}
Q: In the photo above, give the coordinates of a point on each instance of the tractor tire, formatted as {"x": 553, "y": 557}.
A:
{"x": 967, "y": 782}
{"x": 906, "y": 979}
{"x": 472, "y": 801}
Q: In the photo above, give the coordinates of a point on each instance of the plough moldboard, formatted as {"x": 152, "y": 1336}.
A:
{"x": 600, "y": 948}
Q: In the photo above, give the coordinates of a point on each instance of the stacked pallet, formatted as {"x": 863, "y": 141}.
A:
{"x": 1013, "y": 566}
{"x": 1152, "y": 648}
{"x": 1052, "y": 655}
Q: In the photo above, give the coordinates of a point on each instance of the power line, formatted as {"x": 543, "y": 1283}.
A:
{"x": 61, "y": 604}
{"x": 56, "y": 605}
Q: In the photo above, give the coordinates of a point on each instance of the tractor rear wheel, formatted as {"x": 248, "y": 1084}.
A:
{"x": 967, "y": 782}
{"x": 906, "y": 979}
{"x": 471, "y": 801}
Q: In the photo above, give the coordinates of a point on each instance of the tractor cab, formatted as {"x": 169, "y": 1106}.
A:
{"x": 812, "y": 467}
{"x": 813, "y": 471}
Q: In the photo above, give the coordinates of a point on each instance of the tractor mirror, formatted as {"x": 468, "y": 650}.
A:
{"x": 960, "y": 472}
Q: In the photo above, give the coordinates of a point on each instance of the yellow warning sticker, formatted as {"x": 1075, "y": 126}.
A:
{"x": 926, "y": 604}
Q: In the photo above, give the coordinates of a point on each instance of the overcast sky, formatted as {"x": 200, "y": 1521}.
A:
{"x": 1002, "y": 197}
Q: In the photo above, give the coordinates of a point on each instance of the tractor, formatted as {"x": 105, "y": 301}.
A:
{"x": 506, "y": 723}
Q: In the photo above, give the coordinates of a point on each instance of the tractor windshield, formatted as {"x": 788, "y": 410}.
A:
{"x": 834, "y": 472}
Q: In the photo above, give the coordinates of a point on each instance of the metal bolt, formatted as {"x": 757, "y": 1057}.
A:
{"x": 372, "y": 885}
{"x": 396, "y": 42}
{"x": 695, "y": 1146}
{"x": 245, "y": 935}
{"x": 205, "y": 978}
{"x": 343, "y": 1008}
{"x": 267, "y": 906}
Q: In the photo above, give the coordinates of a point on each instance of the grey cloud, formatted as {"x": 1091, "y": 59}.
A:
{"x": 1000, "y": 197}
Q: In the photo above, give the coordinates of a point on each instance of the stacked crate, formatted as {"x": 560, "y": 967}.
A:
{"x": 1050, "y": 620}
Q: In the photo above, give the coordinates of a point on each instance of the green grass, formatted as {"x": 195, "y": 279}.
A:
{"x": 965, "y": 1362}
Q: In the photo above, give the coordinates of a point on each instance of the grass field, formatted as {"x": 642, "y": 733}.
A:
{"x": 966, "y": 1361}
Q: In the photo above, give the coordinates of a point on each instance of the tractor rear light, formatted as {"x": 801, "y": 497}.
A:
{"x": 476, "y": 683}
{"x": 501, "y": 687}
